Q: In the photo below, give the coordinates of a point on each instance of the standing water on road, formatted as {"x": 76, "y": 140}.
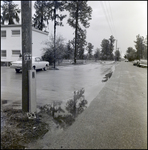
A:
{"x": 58, "y": 85}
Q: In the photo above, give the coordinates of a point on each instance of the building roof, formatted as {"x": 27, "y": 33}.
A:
{"x": 19, "y": 25}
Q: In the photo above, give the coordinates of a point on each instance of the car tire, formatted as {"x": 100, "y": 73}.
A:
{"x": 45, "y": 68}
{"x": 17, "y": 70}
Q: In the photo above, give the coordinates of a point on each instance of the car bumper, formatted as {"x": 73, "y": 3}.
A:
{"x": 16, "y": 67}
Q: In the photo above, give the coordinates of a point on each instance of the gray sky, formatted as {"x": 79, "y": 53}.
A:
{"x": 122, "y": 19}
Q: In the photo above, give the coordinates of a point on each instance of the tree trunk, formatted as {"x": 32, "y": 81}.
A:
{"x": 76, "y": 30}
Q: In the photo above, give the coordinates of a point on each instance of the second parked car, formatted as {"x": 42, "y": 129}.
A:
{"x": 136, "y": 62}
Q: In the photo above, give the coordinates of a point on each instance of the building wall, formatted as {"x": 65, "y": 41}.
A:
{"x": 38, "y": 38}
{"x": 14, "y": 42}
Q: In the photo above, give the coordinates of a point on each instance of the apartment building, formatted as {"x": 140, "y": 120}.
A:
{"x": 11, "y": 43}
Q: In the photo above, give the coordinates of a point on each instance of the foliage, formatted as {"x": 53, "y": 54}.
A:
{"x": 53, "y": 108}
{"x": 111, "y": 47}
{"x": 140, "y": 47}
{"x": 40, "y": 14}
{"x": 131, "y": 54}
{"x": 81, "y": 43}
{"x": 76, "y": 105}
{"x": 97, "y": 54}
{"x": 145, "y": 49}
{"x": 9, "y": 13}
{"x": 90, "y": 49}
{"x": 79, "y": 15}
{"x": 60, "y": 52}
{"x": 107, "y": 48}
{"x": 68, "y": 51}
{"x": 45, "y": 12}
{"x": 117, "y": 55}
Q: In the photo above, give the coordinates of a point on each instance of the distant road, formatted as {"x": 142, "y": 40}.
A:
{"x": 115, "y": 119}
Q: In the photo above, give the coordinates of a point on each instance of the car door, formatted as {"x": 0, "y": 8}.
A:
{"x": 36, "y": 63}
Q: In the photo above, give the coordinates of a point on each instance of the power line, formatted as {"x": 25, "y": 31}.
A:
{"x": 112, "y": 17}
{"x": 106, "y": 16}
{"x": 108, "y": 13}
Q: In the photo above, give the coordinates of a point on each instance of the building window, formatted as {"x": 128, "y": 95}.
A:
{"x": 16, "y": 53}
{"x": 3, "y": 53}
{"x": 15, "y": 32}
{"x": 3, "y": 33}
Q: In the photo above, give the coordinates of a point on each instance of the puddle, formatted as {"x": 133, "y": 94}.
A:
{"x": 51, "y": 117}
{"x": 107, "y": 76}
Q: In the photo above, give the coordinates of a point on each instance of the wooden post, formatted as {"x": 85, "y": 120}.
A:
{"x": 26, "y": 51}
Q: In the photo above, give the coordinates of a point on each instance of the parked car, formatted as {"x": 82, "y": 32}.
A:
{"x": 136, "y": 62}
{"x": 142, "y": 63}
{"x": 37, "y": 63}
{"x": 126, "y": 60}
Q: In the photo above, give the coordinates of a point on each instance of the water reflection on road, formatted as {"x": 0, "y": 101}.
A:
{"x": 57, "y": 85}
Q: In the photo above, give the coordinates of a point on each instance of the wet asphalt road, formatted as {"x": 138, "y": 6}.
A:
{"x": 56, "y": 85}
{"x": 115, "y": 119}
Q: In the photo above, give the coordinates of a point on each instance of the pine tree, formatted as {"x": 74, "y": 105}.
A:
{"x": 10, "y": 12}
{"x": 79, "y": 14}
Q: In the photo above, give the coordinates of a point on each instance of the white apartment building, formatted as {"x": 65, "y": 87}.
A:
{"x": 11, "y": 43}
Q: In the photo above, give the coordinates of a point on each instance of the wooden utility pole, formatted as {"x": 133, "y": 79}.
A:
{"x": 116, "y": 44}
{"x": 26, "y": 51}
{"x": 54, "y": 33}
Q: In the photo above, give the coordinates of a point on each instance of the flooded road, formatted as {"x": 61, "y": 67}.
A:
{"x": 57, "y": 85}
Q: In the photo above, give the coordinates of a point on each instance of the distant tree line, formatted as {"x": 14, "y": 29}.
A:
{"x": 140, "y": 51}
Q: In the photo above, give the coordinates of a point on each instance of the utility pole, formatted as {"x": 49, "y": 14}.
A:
{"x": 54, "y": 33}
{"x": 26, "y": 51}
{"x": 116, "y": 44}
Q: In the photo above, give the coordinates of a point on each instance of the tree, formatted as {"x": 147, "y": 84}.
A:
{"x": 10, "y": 12}
{"x": 111, "y": 47}
{"x": 105, "y": 49}
{"x": 90, "y": 49}
{"x": 69, "y": 50}
{"x": 40, "y": 15}
{"x": 131, "y": 54}
{"x": 117, "y": 55}
{"x": 45, "y": 12}
{"x": 79, "y": 14}
{"x": 97, "y": 54}
{"x": 81, "y": 43}
{"x": 139, "y": 46}
{"x": 48, "y": 53}
{"x": 145, "y": 48}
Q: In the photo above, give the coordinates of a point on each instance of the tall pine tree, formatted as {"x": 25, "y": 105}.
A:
{"x": 79, "y": 15}
{"x": 9, "y": 13}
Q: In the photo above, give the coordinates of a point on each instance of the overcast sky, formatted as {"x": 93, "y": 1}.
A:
{"x": 122, "y": 19}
